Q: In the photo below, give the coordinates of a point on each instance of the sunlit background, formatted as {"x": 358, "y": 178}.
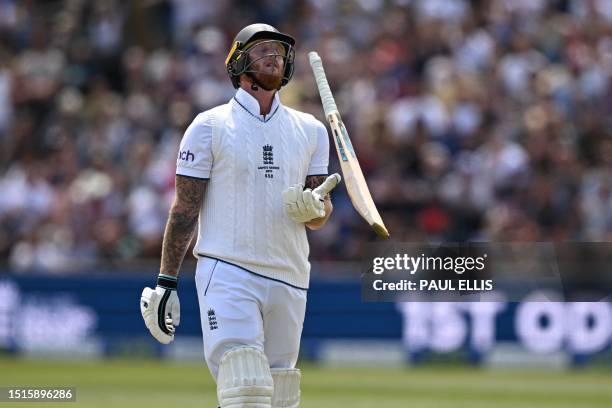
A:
{"x": 473, "y": 120}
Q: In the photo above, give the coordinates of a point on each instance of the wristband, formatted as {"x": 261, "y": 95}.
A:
{"x": 167, "y": 281}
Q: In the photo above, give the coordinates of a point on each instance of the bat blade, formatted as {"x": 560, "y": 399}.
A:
{"x": 354, "y": 180}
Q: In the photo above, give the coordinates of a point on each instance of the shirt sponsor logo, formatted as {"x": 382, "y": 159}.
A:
{"x": 186, "y": 155}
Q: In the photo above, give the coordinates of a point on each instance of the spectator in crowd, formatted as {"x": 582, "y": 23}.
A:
{"x": 473, "y": 120}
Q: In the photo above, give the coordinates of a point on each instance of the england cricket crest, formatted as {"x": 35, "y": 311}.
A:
{"x": 212, "y": 320}
{"x": 268, "y": 166}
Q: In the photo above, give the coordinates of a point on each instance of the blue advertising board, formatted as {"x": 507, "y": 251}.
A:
{"x": 101, "y": 312}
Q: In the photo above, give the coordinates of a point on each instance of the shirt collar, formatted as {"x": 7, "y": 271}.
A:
{"x": 248, "y": 102}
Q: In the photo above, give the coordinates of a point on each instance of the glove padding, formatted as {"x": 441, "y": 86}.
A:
{"x": 305, "y": 205}
{"x": 161, "y": 311}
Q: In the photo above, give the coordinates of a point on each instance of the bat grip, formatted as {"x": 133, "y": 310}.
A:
{"x": 329, "y": 105}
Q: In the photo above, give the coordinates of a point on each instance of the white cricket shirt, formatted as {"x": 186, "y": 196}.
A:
{"x": 249, "y": 160}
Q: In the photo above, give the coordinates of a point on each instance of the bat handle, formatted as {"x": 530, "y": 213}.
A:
{"x": 329, "y": 105}
{"x": 328, "y": 185}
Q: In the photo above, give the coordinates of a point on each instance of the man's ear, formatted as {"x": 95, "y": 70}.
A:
{"x": 243, "y": 81}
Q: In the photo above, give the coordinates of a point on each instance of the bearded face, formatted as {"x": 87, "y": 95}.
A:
{"x": 267, "y": 64}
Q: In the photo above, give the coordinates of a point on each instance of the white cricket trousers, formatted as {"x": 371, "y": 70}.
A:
{"x": 240, "y": 308}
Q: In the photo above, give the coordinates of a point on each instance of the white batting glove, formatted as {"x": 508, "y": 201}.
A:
{"x": 161, "y": 309}
{"x": 305, "y": 205}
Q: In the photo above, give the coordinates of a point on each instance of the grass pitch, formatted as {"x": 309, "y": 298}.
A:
{"x": 151, "y": 384}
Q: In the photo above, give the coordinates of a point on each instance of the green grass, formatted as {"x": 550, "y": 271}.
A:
{"x": 150, "y": 384}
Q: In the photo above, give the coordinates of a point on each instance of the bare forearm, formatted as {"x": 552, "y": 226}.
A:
{"x": 181, "y": 223}
{"x": 177, "y": 237}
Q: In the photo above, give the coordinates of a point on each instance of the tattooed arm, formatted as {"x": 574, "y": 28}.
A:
{"x": 160, "y": 307}
{"x": 181, "y": 222}
{"x": 313, "y": 182}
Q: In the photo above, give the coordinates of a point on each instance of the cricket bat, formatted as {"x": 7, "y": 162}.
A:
{"x": 351, "y": 170}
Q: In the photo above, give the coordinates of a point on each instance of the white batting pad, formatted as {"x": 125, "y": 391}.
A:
{"x": 286, "y": 387}
{"x": 244, "y": 379}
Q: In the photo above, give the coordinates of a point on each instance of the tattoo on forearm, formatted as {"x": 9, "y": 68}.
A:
{"x": 179, "y": 231}
{"x": 181, "y": 223}
{"x": 313, "y": 182}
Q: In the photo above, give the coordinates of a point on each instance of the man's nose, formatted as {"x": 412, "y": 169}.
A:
{"x": 275, "y": 59}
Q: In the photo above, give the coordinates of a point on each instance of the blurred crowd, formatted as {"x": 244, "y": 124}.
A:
{"x": 473, "y": 120}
